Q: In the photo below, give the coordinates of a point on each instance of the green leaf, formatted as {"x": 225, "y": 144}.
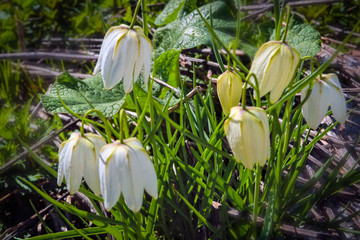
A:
{"x": 83, "y": 95}
{"x": 96, "y": 219}
{"x": 169, "y": 13}
{"x": 269, "y": 217}
{"x": 190, "y": 31}
{"x": 167, "y": 69}
{"x": 303, "y": 37}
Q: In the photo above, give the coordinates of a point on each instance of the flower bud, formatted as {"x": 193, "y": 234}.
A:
{"x": 78, "y": 157}
{"x": 247, "y": 132}
{"x": 126, "y": 168}
{"x": 229, "y": 89}
{"x": 325, "y": 92}
{"x": 274, "y": 66}
{"x": 123, "y": 54}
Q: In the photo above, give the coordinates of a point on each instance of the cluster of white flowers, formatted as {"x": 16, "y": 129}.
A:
{"x": 109, "y": 169}
{"x": 116, "y": 168}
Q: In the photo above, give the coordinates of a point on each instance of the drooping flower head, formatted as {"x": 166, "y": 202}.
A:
{"x": 229, "y": 89}
{"x": 126, "y": 168}
{"x": 274, "y": 66}
{"x": 326, "y": 92}
{"x": 78, "y": 157}
{"x": 124, "y": 52}
{"x": 247, "y": 132}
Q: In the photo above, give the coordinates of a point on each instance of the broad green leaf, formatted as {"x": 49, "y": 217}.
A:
{"x": 190, "y": 31}
{"x": 170, "y": 12}
{"x": 83, "y": 95}
{"x": 303, "y": 37}
{"x": 167, "y": 69}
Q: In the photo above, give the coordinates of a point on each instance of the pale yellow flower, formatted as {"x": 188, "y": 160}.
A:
{"x": 229, "y": 89}
{"x": 274, "y": 65}
{"x": 247, "y": 132}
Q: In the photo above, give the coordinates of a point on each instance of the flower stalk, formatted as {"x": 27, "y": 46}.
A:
{"x": 287, "y": 24}
{"x": 135, "y": 14}
{"x": 144, "y": 17}
{"x": 256, "y": 198}
{"x": 108, "y": 128}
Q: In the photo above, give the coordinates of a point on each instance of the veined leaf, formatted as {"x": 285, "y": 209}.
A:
{"x": 303, "y": 37}
{"x": 170, "y": 12}
{"x": 167, "y": 69}
{"x": 83, "y": 95}
{"x": 190, "y": 31}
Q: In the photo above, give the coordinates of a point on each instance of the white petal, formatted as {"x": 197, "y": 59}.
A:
{"x": 263, "y": 136}
{"x": 132, "y": 182}
{"x": 250, "y": 140}
{"x": 75, "y": 167}
{"x": 120, "y": 63}
{"x": 139, "y": 60}
{"x": 133, "y": 142}
{"x": 324, "y": 101}
{"x": 107, "y": 66}
{"x": 109, "y": 38}
{"x": 109, "y": 175}
{"x": 147, "y": 172}
{"x": 338, "y": 106}
{"x": 315, "y": 109}
{"x": 146, "y": 49}
{"x": 64, "y": 156}
{"x": 233, "y": 133}
{"x": 132, "y": 54}
{"x": 282, "y": 73}
{"x": 310, "y": 109}
{"x": 91, "y": 170}
{"x": 147, "y": 167}
{"x": 261, "y": 64}
{"x": 337, "y": 101}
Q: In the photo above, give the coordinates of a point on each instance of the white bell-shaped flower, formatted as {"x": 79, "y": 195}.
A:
{"x": 247, "y": 132}
{"x": 78, "y": 157}
{"x": 229, "y": 89}
{"x": 126, "y": 168}
{"x": 124, "y": 52}
{"x": 325, "y": 92}
{"x": 274, "y": 66}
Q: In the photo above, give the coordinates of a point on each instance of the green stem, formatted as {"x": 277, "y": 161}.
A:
{"x": 277, "y": 19}
{"x": 138, "y": 112}
{"x": 254, "y": 86}
{"x": 256, "y": 198}
{"x": 138, "y": 225}
{"x": 215, "y": 48}
{"x": 144, "y": 17}
{"x": 214, "y": 36}
{"x": 287, "y": 23}
{"x": 122, "y": 116}
{"x": 107, "y": 126}
{"x": 83, "y": 118}
{"x": 135, "y": 13}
